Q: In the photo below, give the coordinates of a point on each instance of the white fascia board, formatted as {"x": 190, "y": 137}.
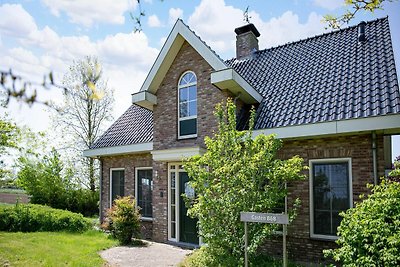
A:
{"x": 180, "y": 32}
{"x": 177, "y": 154}
{"x": 230, "y": 80}
{"x": 388, "y": 124}
{"x": 144, "y": 99}
{"x": 118, "y": 150}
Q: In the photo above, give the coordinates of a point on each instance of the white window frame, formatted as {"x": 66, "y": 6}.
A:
{"x": 137, "y": 169}
{"x": 350, "y": 182}
{"x": 190, "y": 117}
{"x": 111, "y": 170}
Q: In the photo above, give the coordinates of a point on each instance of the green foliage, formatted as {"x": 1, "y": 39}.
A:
{"x": 354, "y": 6}
{"x": 203, "y": 257}
{"x": 395, "y": 173}
{"x": 35, "y": 218}
{"x": 369, "y": 234}
{"x": 238, "y": 173}
{"x": 49, "y": 183}
{"x": 123, "y": 220}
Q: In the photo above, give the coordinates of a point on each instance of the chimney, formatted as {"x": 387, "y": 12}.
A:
{"x": 246, "y": 40}
{"x": 361, "y": 32}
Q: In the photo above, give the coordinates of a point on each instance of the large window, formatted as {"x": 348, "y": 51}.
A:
{"x": 117, "y": 181}
{"x": 144, "y": 189}
{"x": 187, "y": 110}
{"x": 331, "y": 193}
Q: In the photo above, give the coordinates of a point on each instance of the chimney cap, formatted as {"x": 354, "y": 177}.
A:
{"x": 247, "y": 28}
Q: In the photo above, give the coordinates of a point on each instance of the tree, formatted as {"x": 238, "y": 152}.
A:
{"x": 369, "y": 234}
{"x": 87, "y": 106}
{"x": 237, "y": 173}
{"x": 355, "y": 6}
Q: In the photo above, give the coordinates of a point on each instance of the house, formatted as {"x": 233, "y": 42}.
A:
{"x": 333, "y": 99}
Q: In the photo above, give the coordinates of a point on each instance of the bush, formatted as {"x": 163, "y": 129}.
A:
{"x": 123, "y": 220}
{"x": 35, "y": 218}
{"x": 48, "y": 182}
{"x": 369, "y": 234}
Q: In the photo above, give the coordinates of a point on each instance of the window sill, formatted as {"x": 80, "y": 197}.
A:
{"x": 324, "y": 237}
{"x": 192, "y": 136}
{"x": 146, "y": 219}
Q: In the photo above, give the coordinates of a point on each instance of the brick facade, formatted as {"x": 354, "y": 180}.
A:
{"x": 300, "y": 246}
{"x": 357, "y": 147}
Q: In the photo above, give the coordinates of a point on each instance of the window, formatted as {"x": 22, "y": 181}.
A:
{"x": 187, "y": 110}
{"x": 330, "y": 194}
{"x": 144, "y": 189}
{"x": 117, "y": 181}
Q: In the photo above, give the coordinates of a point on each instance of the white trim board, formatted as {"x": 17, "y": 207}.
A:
{"x": 176, "y": 154}
{"x": 180, "y": 33}
{"x": 118, "y": 150}
{"x": 389, "y": 124}
{"x": 229, "y": 79}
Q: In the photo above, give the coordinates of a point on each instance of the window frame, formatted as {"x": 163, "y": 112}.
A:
{"x": 137, "y": 169}
{"x": 178, "y": 103}
{"x": 111, "y": 179}
{"x": 311, "y": 192}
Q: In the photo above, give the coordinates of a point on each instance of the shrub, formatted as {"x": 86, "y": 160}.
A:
{"x": 50, "y": 183}
{"x": 34, "y": 218}
{"x": 369, "y": 234}
{"x": 123, "y": 220}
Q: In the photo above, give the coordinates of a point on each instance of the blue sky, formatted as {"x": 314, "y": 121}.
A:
{"x": 37, "y": 36}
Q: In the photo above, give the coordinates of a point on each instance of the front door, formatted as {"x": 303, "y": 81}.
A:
{"x": 187, "y": 225}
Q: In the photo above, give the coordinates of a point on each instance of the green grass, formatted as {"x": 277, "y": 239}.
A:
{"x": 53, "y": 248}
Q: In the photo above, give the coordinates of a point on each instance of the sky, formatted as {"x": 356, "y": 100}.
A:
{"x": 39, "y": 36}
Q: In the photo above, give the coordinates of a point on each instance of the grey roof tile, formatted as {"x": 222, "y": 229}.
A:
{"x": 133, "y": 127}
{"x": 325, "y": 78}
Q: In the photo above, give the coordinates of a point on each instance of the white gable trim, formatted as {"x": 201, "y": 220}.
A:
{"x": 118, "y": 150}
{"x": 389, "y": 124}
{"x": 177, "y": 36}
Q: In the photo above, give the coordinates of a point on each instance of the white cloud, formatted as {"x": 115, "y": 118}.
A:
{"x": 214, "y": 22}
{"x": 153, "y": 21}
{"x": 15, "y": 21}
{"x": 88, "y": 12}
{"x": 174, "y": 14}
{"x": 331, "y": 4}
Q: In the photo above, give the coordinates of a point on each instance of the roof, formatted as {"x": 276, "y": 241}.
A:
{"x": 135, "y": 126}
{"x": 325, "y": 78}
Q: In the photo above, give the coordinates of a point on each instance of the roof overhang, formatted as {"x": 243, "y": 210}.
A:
{"x": 229, "y": 79}
{"x": 172, "y": 45}
{"x": 389, "y": 124}
{"x": 177, "y": 154}
{"x": 118, "y": 150}
{"x": 144, "y": 99}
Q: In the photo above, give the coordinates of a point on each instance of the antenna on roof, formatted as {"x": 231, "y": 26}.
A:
{"x": 246, "y": 17}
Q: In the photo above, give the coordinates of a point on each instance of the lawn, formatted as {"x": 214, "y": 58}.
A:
{"x": 53, "y": 248}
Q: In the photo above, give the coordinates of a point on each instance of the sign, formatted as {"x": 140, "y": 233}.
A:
{"x": 275, "y": 218}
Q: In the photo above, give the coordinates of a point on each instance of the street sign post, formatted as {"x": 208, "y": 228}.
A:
{"x": 256, "y": 217}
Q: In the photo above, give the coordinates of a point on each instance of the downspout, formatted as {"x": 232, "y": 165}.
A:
{"x": 374, "y": 161}
{"x": 234, "y": 102}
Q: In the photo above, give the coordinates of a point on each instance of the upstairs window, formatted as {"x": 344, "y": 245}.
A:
{"x": 187, "y": 106}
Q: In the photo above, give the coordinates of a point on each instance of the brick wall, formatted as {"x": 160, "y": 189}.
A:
{"x": 358, "y": 147}
{"x": 166, "y": 113}
{"x": 129, "y": 163}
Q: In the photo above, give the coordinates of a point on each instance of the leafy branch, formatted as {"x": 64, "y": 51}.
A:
{"x": 355, "y": 6}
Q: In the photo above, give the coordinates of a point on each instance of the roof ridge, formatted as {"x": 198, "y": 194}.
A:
{"x": 313, "y": 37}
